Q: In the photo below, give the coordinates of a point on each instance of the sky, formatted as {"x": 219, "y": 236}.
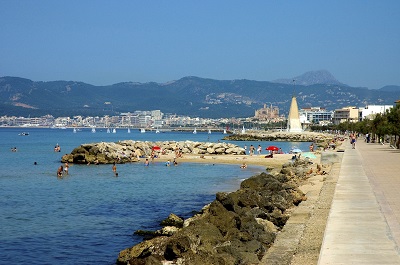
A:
{"x": 106, "y": 42}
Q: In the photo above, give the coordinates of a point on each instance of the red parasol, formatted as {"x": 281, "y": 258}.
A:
{"x": 156, "y": 148}
{"x": 272, "y": 148}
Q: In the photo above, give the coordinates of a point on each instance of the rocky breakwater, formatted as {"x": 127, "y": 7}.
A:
{"x": 132, "y": 151}
{"x": 319, "y": 138}
{"x": 236, "y": 228}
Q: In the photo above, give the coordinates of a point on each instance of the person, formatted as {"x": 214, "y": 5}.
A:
{"x": 311, "y": 147}
{"x": 175, "y": 163}
{"x": 66, "y": 166}
{"x": 353, "y": 140}
{"x": 146, "y": 163}
{"x": 251, "y": 151}
{"x": 243, "y": 165}
{"x": 168, "y": 163}
{"x": 259, "y": 149}
{"x": 60, "y": 171}
{"x": 271, "y": 155}
{"x": 114, "y": 168}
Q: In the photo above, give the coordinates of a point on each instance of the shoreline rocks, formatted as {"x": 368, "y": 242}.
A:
{"x": 281, "y": 137}
{"x": 131, "y": 151}
{"x": 236, "y": 228}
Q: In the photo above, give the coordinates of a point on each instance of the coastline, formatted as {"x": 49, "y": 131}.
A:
{"x": 300, "y": 239}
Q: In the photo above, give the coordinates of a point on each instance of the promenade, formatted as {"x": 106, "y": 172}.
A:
{"x": 364, "y": 221}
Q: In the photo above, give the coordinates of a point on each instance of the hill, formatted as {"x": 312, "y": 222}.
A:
{"x": 311, "y": 78}
{"x": 193, "y": 96}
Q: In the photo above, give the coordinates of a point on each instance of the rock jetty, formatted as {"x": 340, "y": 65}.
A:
{"x": 319, "y": 138}
{"x": 131, "y": 151}
{"x": 236, "y": 228}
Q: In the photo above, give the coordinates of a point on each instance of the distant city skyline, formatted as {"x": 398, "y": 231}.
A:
{"x": 107, "y": 42}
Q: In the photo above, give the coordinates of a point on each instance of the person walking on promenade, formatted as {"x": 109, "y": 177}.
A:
{"x": 353, "y": 140}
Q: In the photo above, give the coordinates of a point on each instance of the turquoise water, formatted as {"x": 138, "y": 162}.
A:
{"x": 90, "y": 215}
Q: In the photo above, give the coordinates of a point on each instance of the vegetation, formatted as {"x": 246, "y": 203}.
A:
{"x": 384, "y": 127}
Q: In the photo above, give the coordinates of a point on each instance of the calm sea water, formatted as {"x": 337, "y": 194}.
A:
{"x": 90, "y": 215}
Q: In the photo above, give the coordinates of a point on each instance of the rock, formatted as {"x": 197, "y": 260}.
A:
{"x": 173, "y": 220}
{"x": 127, "y": 151}
{"x": 236, "y": 228}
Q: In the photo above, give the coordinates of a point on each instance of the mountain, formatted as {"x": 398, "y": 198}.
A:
{"x": 311, "y": 78}
{"x": 390, "y": 88}
{"x": 192, "y": 96}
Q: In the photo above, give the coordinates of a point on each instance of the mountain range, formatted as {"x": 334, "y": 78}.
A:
{"x": 192, "y": 96}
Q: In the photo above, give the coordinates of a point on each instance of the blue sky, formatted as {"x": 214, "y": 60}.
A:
{"x": 105, "y": 42}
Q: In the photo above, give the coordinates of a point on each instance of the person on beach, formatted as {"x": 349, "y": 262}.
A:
{"x": 311, "y": 147}
{"x": 66, "y": 166}
{"x": 60, "y": 171}
{"x": 251, "y": 150}
{"x": 259, "y": 149}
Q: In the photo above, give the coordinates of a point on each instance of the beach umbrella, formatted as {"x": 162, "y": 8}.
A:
{"x": 156, "y": 148}
{"x": 309, "y": 155}
{"x": 296, "y": 150}
{"x": 272, "y": 148}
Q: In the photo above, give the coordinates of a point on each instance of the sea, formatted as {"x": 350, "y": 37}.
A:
{"x": 90, "y": 215}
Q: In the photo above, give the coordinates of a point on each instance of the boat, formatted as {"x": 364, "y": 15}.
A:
{"x": 74, "y": 130}
{"x": 129, "y": 130}
{"x": 114, "y": 130}
{"x": 24, "y": 134}
{"x": 243, "y": 130}
{"x": 93, "y": 130}
{"x": 209, "y": 131}
{"x": 157, "y": 130}
{"x": 195, "y": 131}
{"x": 142, "y": 130}
{"x": 108, "y": 130}
{"x": 224, "y": 131}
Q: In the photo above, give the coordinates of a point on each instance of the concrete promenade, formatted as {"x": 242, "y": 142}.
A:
{"x": 364, "y": 221}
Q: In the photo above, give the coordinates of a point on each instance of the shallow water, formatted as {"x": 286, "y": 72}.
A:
{"x": 90, "y": 215}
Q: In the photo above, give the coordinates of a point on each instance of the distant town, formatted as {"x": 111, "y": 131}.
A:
{"x": 155, "y": 119}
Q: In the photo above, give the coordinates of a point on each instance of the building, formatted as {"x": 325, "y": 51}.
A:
{"x": 315, "y": 115}
{"x": 350, "y": 114}
{"x": 267, "y": 113}
{"x": 370, "y": 111}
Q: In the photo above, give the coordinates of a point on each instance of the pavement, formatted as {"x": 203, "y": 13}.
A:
{"x": 364, "y": 220}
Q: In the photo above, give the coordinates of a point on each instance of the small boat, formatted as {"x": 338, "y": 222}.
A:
{"x": 195, "y": 131}
{"x": 114, "y": 130}
{"x": 24, "y": 134}
{"x": 243, "y": 130}
{"x": 157, "y": 130}
{"x": 93, "y": 130}
{"x": 74, "y": 130}
{"x": 142, "y": 130}
{"x": 209, "y": 131}
{"x": 129, "y": 130}
{"x": 224, "y": 131}
{"x": 108, "y": 130}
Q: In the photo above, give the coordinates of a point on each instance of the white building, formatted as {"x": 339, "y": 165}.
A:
{"x": 370, "y": 111}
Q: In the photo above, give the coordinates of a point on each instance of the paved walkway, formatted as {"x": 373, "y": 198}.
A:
{"x": 364, "y": 221}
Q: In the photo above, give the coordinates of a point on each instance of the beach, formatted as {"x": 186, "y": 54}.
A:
{"x": 300, "y": 240}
